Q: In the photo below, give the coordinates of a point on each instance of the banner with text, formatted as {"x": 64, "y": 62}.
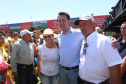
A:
{"x": 52, "y": 24}
{"x": 26, "y": 25}
{"x": 100, "y": 20}
{"x": 5, "y": 27}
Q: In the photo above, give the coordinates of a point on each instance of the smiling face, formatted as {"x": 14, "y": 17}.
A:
{"x": 63, "y": 23}
{"x": 86, "y": 27}
{"x": 49, "y": 38}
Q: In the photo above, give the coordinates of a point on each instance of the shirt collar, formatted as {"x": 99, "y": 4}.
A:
{"x": 91, "y": 36}
{"x": 23, "y": 42}
{"x": 69, "y": 31}
{"x": 120, "y": 38}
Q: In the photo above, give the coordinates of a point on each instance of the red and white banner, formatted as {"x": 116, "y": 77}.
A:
{"x": 100, "y": 20}
{"x": 52, "y": 24}
{"x": 26, "y": 25}
{"x": 5, "y": 27}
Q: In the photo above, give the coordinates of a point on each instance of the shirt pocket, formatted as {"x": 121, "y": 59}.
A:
{"x": 24, "y": 49}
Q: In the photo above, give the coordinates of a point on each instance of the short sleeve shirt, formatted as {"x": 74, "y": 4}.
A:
{"x": 49, "y": 60}
{"x": 99, "y": 56}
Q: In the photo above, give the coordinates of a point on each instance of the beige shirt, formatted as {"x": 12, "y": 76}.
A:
{"x": 22, "y": 53}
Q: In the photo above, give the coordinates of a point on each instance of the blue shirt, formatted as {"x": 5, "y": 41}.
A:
{"x": 41, "y": 41}
{"x": 69, "y": 47}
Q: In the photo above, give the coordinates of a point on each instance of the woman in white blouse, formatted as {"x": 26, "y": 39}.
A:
{"x": 48, "y": 59}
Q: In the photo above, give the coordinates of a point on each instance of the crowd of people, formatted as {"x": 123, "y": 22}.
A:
{"x": 84, "y": 56}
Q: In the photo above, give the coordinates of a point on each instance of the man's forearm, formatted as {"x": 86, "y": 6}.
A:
{"x": 123, "y": 66}
{"x": 115, "y": 75}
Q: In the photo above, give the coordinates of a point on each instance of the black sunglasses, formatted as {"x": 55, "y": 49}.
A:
{"x": 15, "y": 35}
{"x": 84, "y": 48}
{"x": 49, "y": 36}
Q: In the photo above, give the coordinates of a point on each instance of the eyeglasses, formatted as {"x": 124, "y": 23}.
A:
{"x": 49, "y": 36}
{"x": 15, "y": 34}
{"x": 123, "y": 28}
{"x": 84, "y": 48}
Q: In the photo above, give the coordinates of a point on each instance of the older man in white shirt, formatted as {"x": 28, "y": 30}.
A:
{"x": 98, "y": 60}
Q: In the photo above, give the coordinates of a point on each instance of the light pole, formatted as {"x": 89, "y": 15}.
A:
{"x": 6, "y": 22}
{"x": 31, "y": 18}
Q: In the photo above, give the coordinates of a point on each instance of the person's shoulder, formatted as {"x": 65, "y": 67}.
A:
{"x": 9, "y": 40}
{"x": 6, "y": 41}
{"x": 75, "y": 30}
{"x": 104, "y": 38}
{"x": 40, "y": 46}
{"x": 101, "y": 36}
{"x": 18, "y": 42}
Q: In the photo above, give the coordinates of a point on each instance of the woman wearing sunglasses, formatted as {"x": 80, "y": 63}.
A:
{"x": 48, "y": 59}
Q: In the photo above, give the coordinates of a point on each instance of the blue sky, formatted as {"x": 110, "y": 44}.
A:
{"x": 19, "y": 11}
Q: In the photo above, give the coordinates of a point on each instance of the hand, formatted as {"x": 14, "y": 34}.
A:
{"x": 115, "y": 43}
{"x": 8, "y": 60}
{"x": 9, "y": 67}
{"x": 15, "y": 74}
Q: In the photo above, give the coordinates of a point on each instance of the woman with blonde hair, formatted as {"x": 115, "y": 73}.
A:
{"x": 48, "y": 59}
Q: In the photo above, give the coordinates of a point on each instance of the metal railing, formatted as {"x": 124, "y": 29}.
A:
{"x": 115, "y": 13}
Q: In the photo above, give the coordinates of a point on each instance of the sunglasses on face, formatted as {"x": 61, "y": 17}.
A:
{"x": 49, "y": 36}
{"x": 15, "y": 35}
{"x": 84, "y": 48}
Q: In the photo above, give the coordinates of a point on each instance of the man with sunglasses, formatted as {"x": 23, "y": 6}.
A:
{"x": 99, "y": 62}
{"x": 122, "y": 47}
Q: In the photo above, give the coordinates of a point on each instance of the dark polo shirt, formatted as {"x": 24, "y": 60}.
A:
{"x": 122, "y": 47}
{"x": 122, "y": 52}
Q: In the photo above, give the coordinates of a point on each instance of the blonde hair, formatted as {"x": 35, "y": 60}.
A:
{"x": 99, "y": 30}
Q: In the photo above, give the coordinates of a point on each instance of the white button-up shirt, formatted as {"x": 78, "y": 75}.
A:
{"x": 99, "y": 56}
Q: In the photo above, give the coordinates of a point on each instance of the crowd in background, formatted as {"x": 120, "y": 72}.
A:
{"x": 7, "y": 43}
{"x": 73, "y": 56}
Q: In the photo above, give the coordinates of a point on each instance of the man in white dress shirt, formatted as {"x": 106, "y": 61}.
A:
{"x": 99, "y": 62}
